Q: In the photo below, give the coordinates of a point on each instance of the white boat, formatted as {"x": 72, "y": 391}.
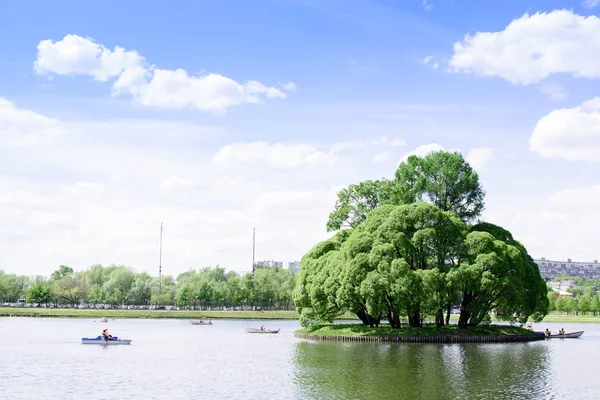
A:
{"x": 568, "y": 335}
{"x": 104, "y": 320}
{"x": 258, "y": 330}
{"x": 115, "y": 341}
{"x": 201, "y": 322}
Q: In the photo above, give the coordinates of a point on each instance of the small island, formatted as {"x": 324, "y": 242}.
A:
{"x": 428, "y": 333}
{"x": 414, "y": 249}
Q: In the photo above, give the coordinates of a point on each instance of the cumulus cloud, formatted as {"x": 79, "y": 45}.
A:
{"x": 78, "y": 55}
{"x": 590, "y": 3}
{"x": 149, "y": 85}
{"x": 561, "y": 225}
{"x": 571, "y": 134}
{"x": 533, "y": 47}
{"x": 276, "y": 155}
{"x": 480, "y": 157}
{"x": 588, "y": 197}
{"x": 290, "y": 86}
{"x": 22, "y": 128}
{"x": 293, "y": 155}
{"x": 423, "y": 150}
{"x": 382, "y": 157}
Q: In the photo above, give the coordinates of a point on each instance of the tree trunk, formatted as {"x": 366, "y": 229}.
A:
{"x": 414, "y": 319}
{"x": 465, "y": 315}
{"x": 439, "y": 318}
{"x": 394, "y": 320}
{"x": 448, "y": 311}
{"x": 363, "y": 316}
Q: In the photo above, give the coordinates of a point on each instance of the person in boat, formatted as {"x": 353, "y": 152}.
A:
{"x": 548, "y": 333}
{"x": 561, "y": 332}
{"x": 106, "y": 335}
{"x": 262, "y": 327}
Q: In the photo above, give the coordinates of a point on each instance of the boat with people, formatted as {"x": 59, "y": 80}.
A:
{"x": 564, "y": 335}
{"x": 105, "y": 339}
{"x": 114, "y": 341}
{"x": 262, "y": 329}
{"x": 201, "y": 322}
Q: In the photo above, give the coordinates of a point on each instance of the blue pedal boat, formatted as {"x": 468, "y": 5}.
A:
{"x": 115, "y": 341}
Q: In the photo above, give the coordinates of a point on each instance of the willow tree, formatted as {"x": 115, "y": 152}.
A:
{"x": 315, "y": 294}
{"x": 444, "y": 179}
{"x": 498, "y": 275}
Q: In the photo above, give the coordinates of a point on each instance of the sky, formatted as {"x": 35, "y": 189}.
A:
{"x": 215, "y": 117}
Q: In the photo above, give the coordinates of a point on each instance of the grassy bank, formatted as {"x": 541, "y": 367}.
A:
{"x": 90, "y": 313}
{"x": 407, "y": 331}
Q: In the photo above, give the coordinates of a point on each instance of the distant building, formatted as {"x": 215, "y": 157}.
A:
{"x": 294, "y": 266}
{"x": 563, "y": 285}
{"x": 551, "y": 270}
{"x": 270, "y": 263}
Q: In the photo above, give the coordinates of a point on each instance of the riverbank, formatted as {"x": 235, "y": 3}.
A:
{"x": 427, "y": 334}
{"x": 92, "y": 313}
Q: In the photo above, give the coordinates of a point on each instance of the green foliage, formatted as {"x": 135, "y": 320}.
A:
{"x": 354, "y": 203}
{"x": 116, "y": 285}
{"x": 412, "y": 253}
{"x": 443, "y": 179}
{"x": 426, "y": 330}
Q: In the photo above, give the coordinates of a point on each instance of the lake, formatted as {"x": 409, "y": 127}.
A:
{"x": 172, "y": 359}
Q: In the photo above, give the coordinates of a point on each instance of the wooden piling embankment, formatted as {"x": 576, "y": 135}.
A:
{"x": 426, "y": 339}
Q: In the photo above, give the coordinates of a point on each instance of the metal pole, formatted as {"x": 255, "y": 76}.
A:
{"x": 160, "y": 260}
{"x": 253, "y": 248}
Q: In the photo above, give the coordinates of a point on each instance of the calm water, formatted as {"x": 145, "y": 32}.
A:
{"x": 172, "y": 359}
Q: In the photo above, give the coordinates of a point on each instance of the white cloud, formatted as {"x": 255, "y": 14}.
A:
{"x": 174, "y": 183}
{"x": 561, "y": 225}
{"x": 21, "y": 128}
{"x": 423, "y": 150}
{"x": 149, "y": 86}
{"x": 427, "y": 60}
{"x": 590, "y": 3}
{"x": 290, "y": 87}
{"x": 553, "y": 91}
{"x": 276, "y": 155}
{"x": 427, "y": 5}
{"x": 571, "y": 134}
{"x": 78, "y": 55}
{"x": 479, "y": 157}
{"x": 579, "y": 198}
{"x": 382, "y": 157}
{"x": 533, "y": 47}
{"x": 293, "y": 155}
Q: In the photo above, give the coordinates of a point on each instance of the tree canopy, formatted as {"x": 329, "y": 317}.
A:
{"x": 441, "y": 178}
{"x": 117, "y": 285}
{"x": 411, "y": 251}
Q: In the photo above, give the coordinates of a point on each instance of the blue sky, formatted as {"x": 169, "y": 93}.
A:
{"x": 305, "y": 97}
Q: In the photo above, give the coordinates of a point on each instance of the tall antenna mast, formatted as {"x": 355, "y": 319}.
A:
{"x": 253, "y": 247}
{"x": 160, "y": 261}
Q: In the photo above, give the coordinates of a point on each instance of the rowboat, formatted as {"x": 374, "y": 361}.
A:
{"x": 115, "y": 341}
{"x": 201, "y": 322}
{"x": 569, "y": 335}
{"x": 104, "y": 320}
{"x": 258, "y": 330}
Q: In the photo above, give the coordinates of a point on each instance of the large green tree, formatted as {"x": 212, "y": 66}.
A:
{"x": 412, "y": 252}
{"x": 444, "y": 179}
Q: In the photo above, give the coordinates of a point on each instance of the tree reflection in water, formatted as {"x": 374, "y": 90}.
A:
{"x": 421, "y": 371}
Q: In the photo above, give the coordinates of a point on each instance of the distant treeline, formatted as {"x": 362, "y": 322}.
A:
{"x": 270, "y": 288}
{"x": 585, "y": 297}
